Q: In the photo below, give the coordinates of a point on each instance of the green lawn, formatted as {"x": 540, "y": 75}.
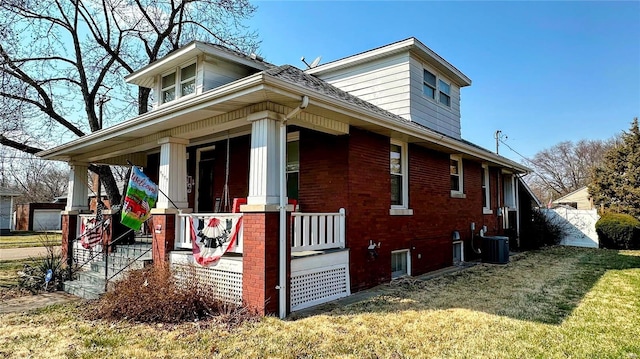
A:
{"x": 554, "y": 303}
{"x": 30, "y": 239}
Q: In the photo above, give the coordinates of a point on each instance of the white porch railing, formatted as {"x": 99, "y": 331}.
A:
{"x": 317, "y": 231}
{"x": 183, "y": 240}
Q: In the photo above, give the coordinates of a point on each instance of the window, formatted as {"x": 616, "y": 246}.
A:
{"x": 455, "y": 169}
{"x": 400, "y": 263}
{"x": 183, "y": 78}
{"x": 509, "y": 192}
{"x": 429, "y": 84}
{"x": 445, "y": 93}
{"x": 169, "y": 87}
{"x": 188, "y": 80}
{"x": 398, "y": 170}
{"x": 293, "y": 164}
{"x": 486, "y": 192}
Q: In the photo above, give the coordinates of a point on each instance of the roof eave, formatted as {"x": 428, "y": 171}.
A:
{"x": 408, "y": 45}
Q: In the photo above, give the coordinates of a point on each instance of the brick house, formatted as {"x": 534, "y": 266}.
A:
{"x": 368, "y": 146}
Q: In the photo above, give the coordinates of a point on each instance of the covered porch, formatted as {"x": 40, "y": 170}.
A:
{"x": 287, "y": 257}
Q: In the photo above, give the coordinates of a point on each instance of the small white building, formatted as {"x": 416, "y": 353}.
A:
{"x": 6, "y": 209}
{"x": 578, "y": 199}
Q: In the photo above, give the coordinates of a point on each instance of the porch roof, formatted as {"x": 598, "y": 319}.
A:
{"x": 282, "y": 85}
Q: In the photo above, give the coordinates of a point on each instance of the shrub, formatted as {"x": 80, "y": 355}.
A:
{"x": 543, "y": 230}
{"x": 153, "y": 295}
{"x": 34, "y": 277}
{"x": 618, "y": 231}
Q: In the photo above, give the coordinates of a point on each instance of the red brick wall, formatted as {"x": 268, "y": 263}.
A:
{"x": 323, "y": 172}
{"x": 359, "y": 181}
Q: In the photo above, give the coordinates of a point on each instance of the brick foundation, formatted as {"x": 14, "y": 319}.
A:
{"x": 69, "y": 225}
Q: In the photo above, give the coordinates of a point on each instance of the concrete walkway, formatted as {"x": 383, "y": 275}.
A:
{"x": 7, "y": 254}
{"x": 31, "y": 302}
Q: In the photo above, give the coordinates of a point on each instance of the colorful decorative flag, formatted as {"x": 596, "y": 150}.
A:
{"x": 216, "y": 236}
{"x": 141, "y": 196}
{"x": 91, "y": 231}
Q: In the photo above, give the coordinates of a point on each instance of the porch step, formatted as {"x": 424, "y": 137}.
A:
{"x": 90, "y": 283}
{"x": 83, "y": 289}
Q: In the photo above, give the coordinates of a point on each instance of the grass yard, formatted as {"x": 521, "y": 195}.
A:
{"x": 30, "y": 239}
{"x": 553, "y": 303}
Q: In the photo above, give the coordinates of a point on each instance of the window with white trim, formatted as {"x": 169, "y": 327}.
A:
{"x": 293, "y": 164}
{"x": 486, "y": 191}
{"x": 456, "y": 175}
{"x": 445, "y": 93}
{"x": 398, "y": 170}
{"x": 179, "y": 83}
{"x": 400, "y": 263}
{"x": 429, "y": 84}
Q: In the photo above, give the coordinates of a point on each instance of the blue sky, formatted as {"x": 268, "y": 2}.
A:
{"x": 542, "y": 72}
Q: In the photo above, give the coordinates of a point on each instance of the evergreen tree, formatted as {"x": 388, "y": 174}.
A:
{"x": 616, "y": 183}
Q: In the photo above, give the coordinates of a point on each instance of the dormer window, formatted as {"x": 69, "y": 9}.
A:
{"x": 185, "y": 77}
{"x": 429, "y": 84}
{"x": 188, "y": 80}
{"x": 445, "y": 93}
{"x": 169, "y": 87}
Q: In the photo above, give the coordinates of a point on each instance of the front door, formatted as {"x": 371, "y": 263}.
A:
{"x": 205, "y": 200}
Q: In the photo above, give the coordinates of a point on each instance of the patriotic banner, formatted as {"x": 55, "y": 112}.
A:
{"x": 91, "y": 231}
{"x": 141, "y": 196}
{"x": 215, "y": 238}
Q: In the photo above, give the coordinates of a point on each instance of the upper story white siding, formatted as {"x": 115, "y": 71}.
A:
{"x": 431, "y": 112}
{"x": 384, "y": 82}
{"x": 392, "y": 77}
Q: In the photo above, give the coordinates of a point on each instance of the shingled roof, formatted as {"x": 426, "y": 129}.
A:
{"x": 294, "y": 75}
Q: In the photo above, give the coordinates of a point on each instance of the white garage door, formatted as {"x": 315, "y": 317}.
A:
{"x": 5, "y": 213}
{"x": 46, "y": 219}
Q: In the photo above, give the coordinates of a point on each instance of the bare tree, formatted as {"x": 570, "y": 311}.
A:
{"x": 36, "y": 179}
{"x": 59, "y": 58}
{"x": 566, "y": 166}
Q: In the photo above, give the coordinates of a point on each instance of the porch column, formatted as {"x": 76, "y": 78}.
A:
{"x": 264, "y": 166}
{"x": 77, "y": 201}
{"x": 261, "y": 216}
{"x": 173, "y": 173}
{"x": 173, "y": 188}
{"x": 78, "y": 189}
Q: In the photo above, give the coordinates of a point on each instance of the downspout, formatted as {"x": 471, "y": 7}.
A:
{"x": 282, "y": 287}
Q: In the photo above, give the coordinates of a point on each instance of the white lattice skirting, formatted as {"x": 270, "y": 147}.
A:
{"x": 319, "y": 279}
{"x": 225, "y": 281}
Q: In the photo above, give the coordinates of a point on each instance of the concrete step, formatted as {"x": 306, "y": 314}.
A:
{"x": 83, "y": 289}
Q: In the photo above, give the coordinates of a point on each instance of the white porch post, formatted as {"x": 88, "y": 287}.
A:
{"x": 264, "y": 165}
{"x": 173, "y": 173}
{"x": 77, "y": 191}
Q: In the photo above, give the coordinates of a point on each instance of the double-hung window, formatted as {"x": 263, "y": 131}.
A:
{"x": 456, "y": 175}
{"x": 398, "y": 160}
{"x": 486, "y": 192}
{"x": 181, "y": 82}
{"x": 445, "y": 93}
{"x": 188, "y": 80}
{"x": 429, "y": 84}
{"x": 293, "y": 165}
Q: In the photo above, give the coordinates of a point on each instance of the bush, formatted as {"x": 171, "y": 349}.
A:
{"x": 618, "y": 231}
{"x": 153, "y": 295}
{"x": 542, "y": 231}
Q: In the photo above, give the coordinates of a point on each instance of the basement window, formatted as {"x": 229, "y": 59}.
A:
{"x": 400, "y": 263}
